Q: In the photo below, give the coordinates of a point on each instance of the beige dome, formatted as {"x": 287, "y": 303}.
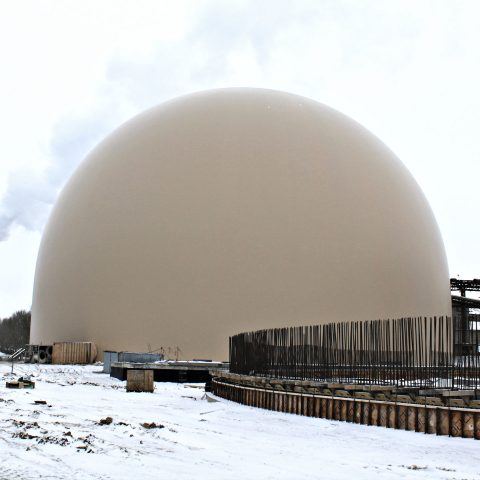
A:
{"x": 231, "y": 210}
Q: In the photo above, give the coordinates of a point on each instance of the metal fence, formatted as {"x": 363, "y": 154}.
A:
{"x": 403, "y": 352}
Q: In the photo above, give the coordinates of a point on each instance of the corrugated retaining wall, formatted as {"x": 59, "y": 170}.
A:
{"x": 431, "y": 419}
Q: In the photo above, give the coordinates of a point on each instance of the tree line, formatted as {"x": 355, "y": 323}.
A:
{"x": 14, "y": 331}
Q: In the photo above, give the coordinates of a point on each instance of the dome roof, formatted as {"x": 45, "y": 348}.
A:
{"x": 231, "y": 210}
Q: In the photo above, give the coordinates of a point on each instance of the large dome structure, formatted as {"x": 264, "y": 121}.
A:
{"x": 233, "y": 210}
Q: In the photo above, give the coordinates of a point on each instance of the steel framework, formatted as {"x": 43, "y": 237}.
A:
{"x": 464, "y": 286}
{"x": 417, "y": 352}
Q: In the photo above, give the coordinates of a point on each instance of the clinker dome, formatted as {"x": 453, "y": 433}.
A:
{"x": 233, "y": 210}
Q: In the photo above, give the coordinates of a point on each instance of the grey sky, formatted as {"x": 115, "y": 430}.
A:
{"x": 72, "y": 71}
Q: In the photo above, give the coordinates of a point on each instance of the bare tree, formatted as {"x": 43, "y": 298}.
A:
{"x": 14, "y": 331}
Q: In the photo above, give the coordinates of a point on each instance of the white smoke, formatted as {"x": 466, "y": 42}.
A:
{"x": 31, "y": 193}
{"x": 200, "y": 60}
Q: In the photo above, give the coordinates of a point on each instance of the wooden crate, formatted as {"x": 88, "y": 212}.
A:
{"x": 69, "y": 353}
{"x": 140, "y": 381}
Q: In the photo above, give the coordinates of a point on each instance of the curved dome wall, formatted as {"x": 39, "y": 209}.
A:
{"x": 234, "y": 210}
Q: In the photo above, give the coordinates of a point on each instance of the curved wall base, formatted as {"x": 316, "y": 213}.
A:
{"x": 423, "y": 418}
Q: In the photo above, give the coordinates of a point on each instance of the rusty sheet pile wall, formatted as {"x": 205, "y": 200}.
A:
{"x": 425, "y": 415}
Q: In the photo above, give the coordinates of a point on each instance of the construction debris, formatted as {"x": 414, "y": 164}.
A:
{"x": 106, "y": 421}
{"x": 20, "y": 383}
{"x": 149, "y": 426}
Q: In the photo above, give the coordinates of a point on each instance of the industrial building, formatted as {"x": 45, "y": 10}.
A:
{"x": 466, "y": 317}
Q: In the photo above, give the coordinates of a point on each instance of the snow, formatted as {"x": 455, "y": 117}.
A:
{"x": 200, "y": 439}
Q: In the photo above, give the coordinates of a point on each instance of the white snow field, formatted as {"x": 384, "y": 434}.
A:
{"x": 200, "y": 440}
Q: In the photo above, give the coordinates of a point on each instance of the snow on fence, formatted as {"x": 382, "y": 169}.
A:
{"x": 401, "y": 352}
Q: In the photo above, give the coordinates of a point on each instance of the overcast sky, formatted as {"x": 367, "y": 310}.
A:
{"x": 72, "y": 71}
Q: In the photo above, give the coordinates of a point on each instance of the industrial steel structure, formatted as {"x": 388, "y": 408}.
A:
{"x": 466, "y": 316}
{"x": 464, "y": 286}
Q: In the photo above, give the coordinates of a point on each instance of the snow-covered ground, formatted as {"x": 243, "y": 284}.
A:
{"x": 199, "y": 439}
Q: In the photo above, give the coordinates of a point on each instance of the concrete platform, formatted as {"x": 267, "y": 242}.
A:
{"x": 171, "y": 371}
